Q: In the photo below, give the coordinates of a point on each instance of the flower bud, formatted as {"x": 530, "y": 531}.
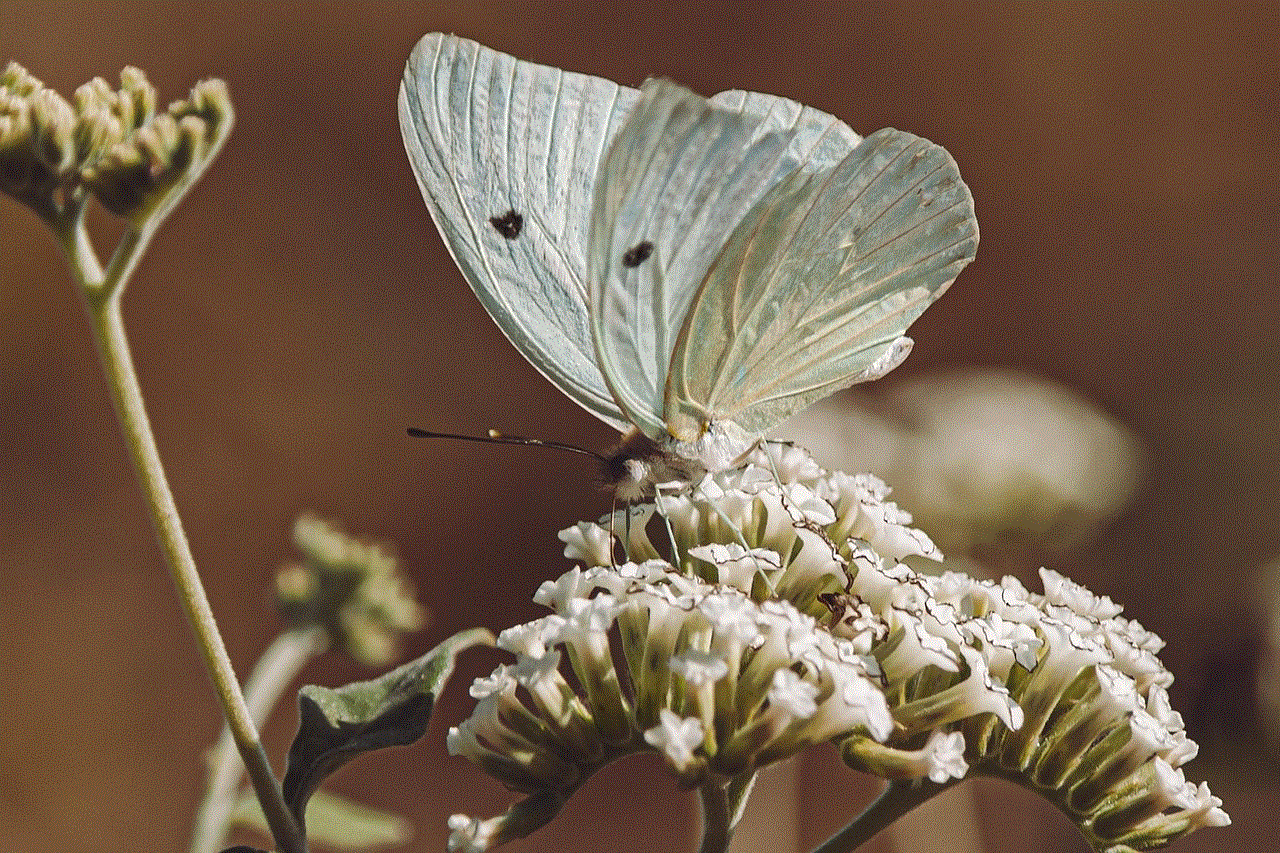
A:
{"x": 141, "y": 95}
{"x": 110, "y": 143}
{"x": 52, "y": 129}
{"x": 148, "y": 168}
{"x": 353, "y": 589}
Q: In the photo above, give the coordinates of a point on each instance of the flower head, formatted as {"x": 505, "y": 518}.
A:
{"x": 106, "y": 142}
{"x": 779, "y": 605}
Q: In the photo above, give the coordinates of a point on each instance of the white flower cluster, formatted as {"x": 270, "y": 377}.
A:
{"x": 772, "y": 607}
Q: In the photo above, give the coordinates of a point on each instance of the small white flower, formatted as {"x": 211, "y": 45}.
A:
{"x": 1158, "y": 706}
{"x": 943, "y": 757}
{"x": 806, "y": 507}
{"x": 1063, "y": 591}
{"x": 587, "y": 542}
{"x": 1117, "y": 692}
{"x": 737, "y": 566}
{"x": 861, "y": 704}
{"x": 496, "y": 683}
{"x": 650, "y": 571}
{"x": 531, "y": 638}
{"x": 1207, "y": 809}
{"x": 677, "y": 738}
{"x": 917, "y": 648}
{"x": 699, "y": 668}
{"x": 733, "y": 618}
{"x": 976, "y": 694}
{"x": 593, "y": 615}
{"x": 793, "y": 464}
{"x": 792, "y": 694}
{"x": 556, "y": 595}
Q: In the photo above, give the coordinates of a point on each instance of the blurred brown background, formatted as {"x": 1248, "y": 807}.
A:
{"x": 299, "y": 310}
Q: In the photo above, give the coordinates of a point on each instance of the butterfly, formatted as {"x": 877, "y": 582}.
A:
{"x": 691, "y": 271}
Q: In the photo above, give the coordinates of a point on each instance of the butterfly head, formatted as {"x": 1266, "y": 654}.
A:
{"x": 638, "y": 464}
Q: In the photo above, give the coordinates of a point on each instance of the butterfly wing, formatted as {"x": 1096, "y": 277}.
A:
{"x": 681, "y": 173}
{"x": 817, "y": 285}
{"x": 506, "y": 154}
{"x": 817, "y": 139}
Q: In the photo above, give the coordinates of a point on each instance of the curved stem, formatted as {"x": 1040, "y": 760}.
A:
{"x": 102, "y": 302}
{"x": 896, "y": 800}
{"x": 716, "y": 832}
{"x": 275, "y": 670}
{"x": 126, "y": 256}
{"x": 74, "y": 239}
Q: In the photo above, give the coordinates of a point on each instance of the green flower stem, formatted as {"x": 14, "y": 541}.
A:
{"x": 896, "y": 800}
{"x": 74, "y": 239}
{"x": 716, "y": 832}
{"x": 275, "y": 670}
{"x": 101, "y": 293}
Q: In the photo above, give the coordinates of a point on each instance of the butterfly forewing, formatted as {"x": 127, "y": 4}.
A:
{"x": 678, "y": 170}
{"x": 506, "y": 154}
{"x": 818, "y": 283}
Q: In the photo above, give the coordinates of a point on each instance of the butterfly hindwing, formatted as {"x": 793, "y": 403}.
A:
{"x": 819, "y": 282}
{"x": 677, "y": 171}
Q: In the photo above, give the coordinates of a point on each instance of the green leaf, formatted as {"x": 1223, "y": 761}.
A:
{"x": 336, "y": 823}
{"x": 335, "y": 726}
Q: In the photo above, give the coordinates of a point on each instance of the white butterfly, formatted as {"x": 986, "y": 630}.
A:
{"x": 691, "y": 271}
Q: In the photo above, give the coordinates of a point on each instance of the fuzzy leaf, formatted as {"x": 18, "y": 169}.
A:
{"x": 336, "y": 725}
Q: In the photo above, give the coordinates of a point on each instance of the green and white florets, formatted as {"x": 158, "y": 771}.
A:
{"x": 730, "y": 623}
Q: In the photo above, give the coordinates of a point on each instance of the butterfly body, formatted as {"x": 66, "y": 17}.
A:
{"x": 637, "y": 465}
{"x": 691, "y": 271}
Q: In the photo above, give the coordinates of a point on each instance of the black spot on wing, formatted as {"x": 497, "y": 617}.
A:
{"x": 637, "y": 254}
{"x": 508, "y": 224}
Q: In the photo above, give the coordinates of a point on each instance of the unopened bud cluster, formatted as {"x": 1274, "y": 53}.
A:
{"x": 356, "y": 590}
{"x": 107, "y": 142}
{"x": 772, "y": 607}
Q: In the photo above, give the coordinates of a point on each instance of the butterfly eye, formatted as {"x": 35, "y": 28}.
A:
{"x": 637, "y": 254}
{"x": 508, "y": 224}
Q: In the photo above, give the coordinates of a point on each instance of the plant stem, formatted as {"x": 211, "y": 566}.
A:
{"x": 101, "y": 294}
{"x": 274, "y": 671}
{"x": 716, "y": 833}
{"x": 75, "y": 244}
{"x": 897, "y": 799}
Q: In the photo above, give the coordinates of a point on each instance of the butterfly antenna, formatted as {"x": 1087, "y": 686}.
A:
{"x": 495, "y": 437}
